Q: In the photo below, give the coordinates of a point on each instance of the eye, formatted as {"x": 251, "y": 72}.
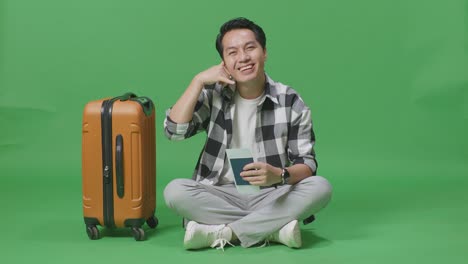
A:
{"x": 250, "y": 47}
{"x": 231, "y": 53}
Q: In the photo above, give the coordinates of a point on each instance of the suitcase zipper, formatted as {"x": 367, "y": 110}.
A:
{"x": 107, "y": 164}
{"x": 106, "y": 130}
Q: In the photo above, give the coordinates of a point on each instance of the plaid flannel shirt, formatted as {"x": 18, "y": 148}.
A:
{"x": 283, "y": 133}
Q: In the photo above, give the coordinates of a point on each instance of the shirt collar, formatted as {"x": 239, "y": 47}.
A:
{"x": 270, "y": 90}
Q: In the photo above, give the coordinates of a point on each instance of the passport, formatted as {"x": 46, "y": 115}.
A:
{"x": 238, "y": 158}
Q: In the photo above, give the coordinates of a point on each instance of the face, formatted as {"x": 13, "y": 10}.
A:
{"x": 243, "y": 55}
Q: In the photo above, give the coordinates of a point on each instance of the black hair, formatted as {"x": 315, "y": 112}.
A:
{"x": 239, "y": 23}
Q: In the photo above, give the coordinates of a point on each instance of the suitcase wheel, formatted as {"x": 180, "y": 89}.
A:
{"x": 152, "y": 222}
{"x": 138, "y": 233}
{"x": 93, "y": 232}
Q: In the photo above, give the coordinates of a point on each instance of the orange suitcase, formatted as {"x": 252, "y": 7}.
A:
{"x": 119, "y": 164}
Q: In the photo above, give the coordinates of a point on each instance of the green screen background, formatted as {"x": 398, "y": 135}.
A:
{"x": 386, "y": 81}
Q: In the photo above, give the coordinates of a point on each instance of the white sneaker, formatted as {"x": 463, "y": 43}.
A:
{"x": 202, "y": 236}
{"x": 289, "y": 235}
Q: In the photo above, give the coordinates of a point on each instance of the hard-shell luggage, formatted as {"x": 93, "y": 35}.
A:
{"x": 119, "y": 164}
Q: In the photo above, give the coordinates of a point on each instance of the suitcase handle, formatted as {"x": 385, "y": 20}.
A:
{"x": 124, "y": 97}
{"x": 119, "y": 165}
{"x": 146, "y": 103}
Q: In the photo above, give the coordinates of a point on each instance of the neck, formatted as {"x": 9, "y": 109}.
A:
{"x": 252, "y": 89}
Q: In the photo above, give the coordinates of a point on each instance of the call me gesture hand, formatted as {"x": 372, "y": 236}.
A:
{"x": 217, "y": 73}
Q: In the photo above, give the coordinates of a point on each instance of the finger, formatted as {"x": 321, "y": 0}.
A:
{"x": 250, "y": 173}
{"x": 227, "y": 71}
{"x": 252, "y": 178}
{"x": 224, "y": 66}
{"x": 249, "y": 166}
{"x": 258, "y": 183}
{"x": 226, "y": 80}
{"x": 252, "y": 166}
{"x": 228, "y": 75}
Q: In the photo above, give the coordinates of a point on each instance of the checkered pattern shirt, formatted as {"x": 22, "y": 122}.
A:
{"x": 283, "y": 133}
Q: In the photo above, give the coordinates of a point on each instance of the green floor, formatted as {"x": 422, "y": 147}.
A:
{"x": 416, "y": 215}
{"x": 386, "y": 82}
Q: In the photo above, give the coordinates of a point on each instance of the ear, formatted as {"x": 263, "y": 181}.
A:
{"x": 266, "y": 54}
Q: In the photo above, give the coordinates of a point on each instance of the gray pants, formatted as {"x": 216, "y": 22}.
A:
{"x": 252, "y": 217}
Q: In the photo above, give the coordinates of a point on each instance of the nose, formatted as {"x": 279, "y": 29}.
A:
{"x": 244, "y": 56}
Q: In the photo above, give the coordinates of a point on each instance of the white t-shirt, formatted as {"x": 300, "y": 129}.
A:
{"x": 243, "y": 129}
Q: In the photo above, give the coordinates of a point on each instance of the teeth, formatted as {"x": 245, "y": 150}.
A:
{"x": 248, "y": 67}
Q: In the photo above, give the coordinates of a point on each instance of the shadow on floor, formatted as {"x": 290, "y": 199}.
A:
{"x": 312, "y": 240}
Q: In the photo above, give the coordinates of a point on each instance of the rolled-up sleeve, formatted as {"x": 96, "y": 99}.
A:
{"x": 199, "y": 122}
{"x": 301, "y": 138}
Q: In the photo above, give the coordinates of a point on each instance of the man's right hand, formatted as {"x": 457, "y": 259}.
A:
{"x": 217, "y": 73}
{"x": 182, "y": 111}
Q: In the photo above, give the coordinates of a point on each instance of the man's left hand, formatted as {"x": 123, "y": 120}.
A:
{"x": 261, "y": 174}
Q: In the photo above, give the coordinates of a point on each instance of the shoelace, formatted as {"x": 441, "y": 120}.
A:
{"x": 268, "y": 239}
{"x": 265, "y": 243}
{"x": 220, "y": 243}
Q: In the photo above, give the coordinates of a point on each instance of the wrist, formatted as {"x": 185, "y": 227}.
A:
{"x": 279, "y": 172}
{"x": 198, "y": 82}
{"x": 285, "y": 176}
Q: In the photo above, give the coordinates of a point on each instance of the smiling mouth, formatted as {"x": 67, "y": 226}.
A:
{"x": 246, "y": 68}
